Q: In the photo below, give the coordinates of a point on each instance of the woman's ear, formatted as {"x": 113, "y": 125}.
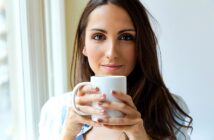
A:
{"x": 84, "y": 51}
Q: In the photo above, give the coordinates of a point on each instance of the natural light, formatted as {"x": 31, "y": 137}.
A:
{"x": 32, "y": 63}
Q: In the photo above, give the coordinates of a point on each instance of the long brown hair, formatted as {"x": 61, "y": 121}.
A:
{"x": 161, "y": 114}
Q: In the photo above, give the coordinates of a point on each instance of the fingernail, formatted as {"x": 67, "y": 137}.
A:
{"x": 99, "y": 120}
{"x": 100, "y": 103}
{"x": 102, "y": 111}
{"x": 113, "y": 92}
{"x": 96, "y": 88}
{"x": 103, "y": 96}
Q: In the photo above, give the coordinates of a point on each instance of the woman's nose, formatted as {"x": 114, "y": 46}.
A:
{"x": 111, "y": 51}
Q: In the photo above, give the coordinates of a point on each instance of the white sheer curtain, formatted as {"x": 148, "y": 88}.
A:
{"x": 36, "y": 63}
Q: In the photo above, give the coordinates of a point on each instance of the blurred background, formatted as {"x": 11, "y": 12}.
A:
{"x": 185, "y": 31}
{"x": 5, "y": 108}
{"x": 36, "y": 39}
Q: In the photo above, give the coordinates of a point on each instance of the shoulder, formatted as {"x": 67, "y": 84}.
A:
{"x": 56, "y": 103}
{"x": 54, "y": 110}
{"x": 182, "y": 132}
{"x": 182, "y": 104}
{"x": 52, "y": 117}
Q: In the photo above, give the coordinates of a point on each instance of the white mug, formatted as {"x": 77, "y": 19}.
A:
{"x": 105, "y": 84}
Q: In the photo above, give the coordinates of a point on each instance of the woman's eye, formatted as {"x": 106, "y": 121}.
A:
{"x": 126, "y": 37}
{"x": 98, "y": 37}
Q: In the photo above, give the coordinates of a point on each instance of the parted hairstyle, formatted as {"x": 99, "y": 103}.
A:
{"x": 161, "y": 114}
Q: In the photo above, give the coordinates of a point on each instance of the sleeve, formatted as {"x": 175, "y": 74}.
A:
{"x": 50, "y": 123}
{"x": 184, "y": 133}
{"x": 52, "y": 118}
{"x": 43, "y": 128}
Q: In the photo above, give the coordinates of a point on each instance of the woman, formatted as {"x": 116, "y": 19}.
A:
{"x": 114, "y": 37}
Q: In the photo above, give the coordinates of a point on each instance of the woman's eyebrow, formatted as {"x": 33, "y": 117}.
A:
{"x": 120, "y": 32}
{"x": 126, "y": 30}
{"x": 100, "y": 30}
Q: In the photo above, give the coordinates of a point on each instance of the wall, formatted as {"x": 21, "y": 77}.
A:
{"x": 73, "y": 10}
{"x": 186, "y": 39}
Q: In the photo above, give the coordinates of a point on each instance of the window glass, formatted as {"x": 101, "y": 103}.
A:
{"x": 32, "y": 62}
{"x": 5, "y": 104}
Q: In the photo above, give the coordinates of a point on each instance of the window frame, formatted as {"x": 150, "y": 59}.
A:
{"x": 37, "y": 60}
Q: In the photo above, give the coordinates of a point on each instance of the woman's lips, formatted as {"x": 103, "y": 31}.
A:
{"x": 111, "y": 67}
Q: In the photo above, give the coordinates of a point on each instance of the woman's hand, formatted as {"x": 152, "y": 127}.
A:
{"x": 131, "y": 123}
{"x": 86, "y": 96}
{"x": 73, "y": 123}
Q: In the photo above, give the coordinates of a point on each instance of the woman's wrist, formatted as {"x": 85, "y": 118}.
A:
{"x": 67, "y": 136}
{"x": 69, "y": 133}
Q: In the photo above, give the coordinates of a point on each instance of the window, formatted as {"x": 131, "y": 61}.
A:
{"x": 5, "y": 106}
{"x": 32, "y": 63}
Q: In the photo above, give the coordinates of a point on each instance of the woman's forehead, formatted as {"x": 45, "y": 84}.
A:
{"x": 109, "y": 15}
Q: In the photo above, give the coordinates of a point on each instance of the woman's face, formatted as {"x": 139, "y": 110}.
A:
{"x": 110, "y": 41}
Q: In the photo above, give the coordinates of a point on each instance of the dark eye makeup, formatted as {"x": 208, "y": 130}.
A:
{"x": 98, "y": 36}
{"x": 126, "y": 37}
{"x": 123, "y": 37}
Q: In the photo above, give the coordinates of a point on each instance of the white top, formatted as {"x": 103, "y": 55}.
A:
{"x": 54, "y": 112}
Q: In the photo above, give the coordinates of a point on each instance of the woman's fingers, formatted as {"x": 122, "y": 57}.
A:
{"x": 88, "y": 94}
{"x": 88, "y": 121}
{"x": 92, "y": 111}
{"x": 124, "y": 97}
{"x": 123, "y": 121}
{"x": 120, "y": 106}
{"x": 74, "y": 118}
{"x": 89, "y": 98}
{"x": 87, "y": 89}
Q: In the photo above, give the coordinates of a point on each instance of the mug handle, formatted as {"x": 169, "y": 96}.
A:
{"x": 73, "y": 95}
